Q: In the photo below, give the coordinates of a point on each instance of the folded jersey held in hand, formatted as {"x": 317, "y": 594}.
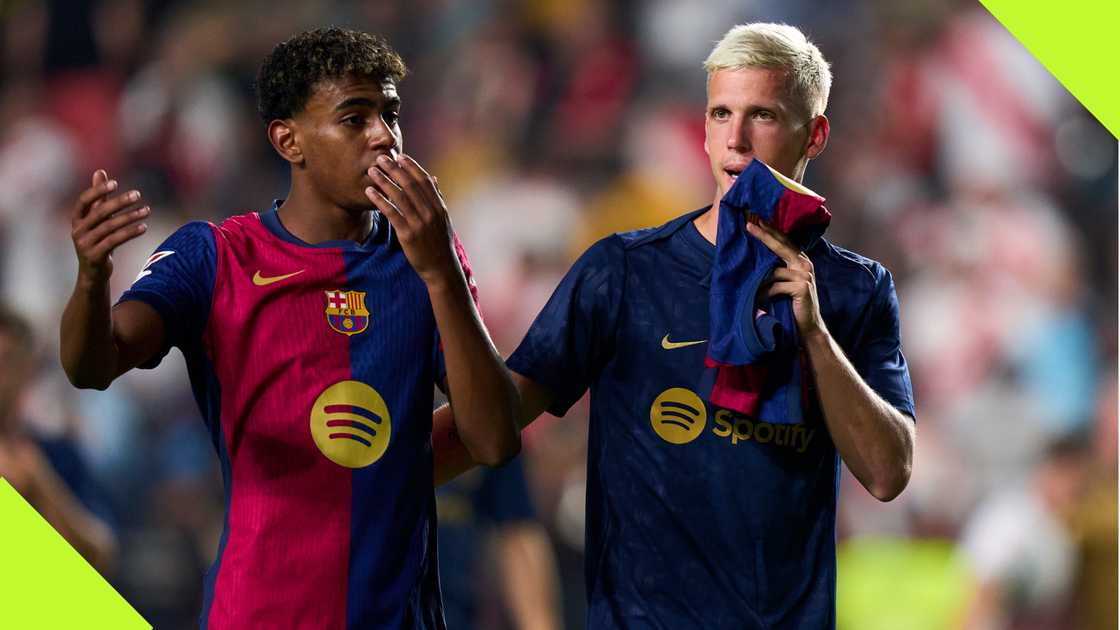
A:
{"x": 753, "y": 357}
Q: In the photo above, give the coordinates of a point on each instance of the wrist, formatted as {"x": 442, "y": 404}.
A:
{"x": 816, "y": 339}
{"x": 443, "y": 280}
{"x": 91, "y": 281}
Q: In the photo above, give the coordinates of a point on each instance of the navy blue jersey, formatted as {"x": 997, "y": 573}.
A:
{"x": 699, "y": 517}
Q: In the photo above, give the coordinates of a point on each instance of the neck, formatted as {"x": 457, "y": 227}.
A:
{"x": 708, "y": 223}
{"x": 312, "y": 221}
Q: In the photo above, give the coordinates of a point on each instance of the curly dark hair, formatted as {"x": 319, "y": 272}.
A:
{"x": 293, "y": 68}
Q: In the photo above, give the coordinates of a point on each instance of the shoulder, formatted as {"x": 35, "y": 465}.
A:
{"x": 612, "y": 252}
{"x": 655, "y": 235}
{"x": 193, "y": 232}
{"x": 185, "y": 248}
{"x": 610, "y": 257}
{"x": 237, "y": 227}
{"x": 601, "y": 264}
{"x": 837, "y": 267}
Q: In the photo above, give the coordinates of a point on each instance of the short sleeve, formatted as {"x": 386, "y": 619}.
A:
{"x": 878, "y": 358}
{"x": 437, "y": 347}
{"x": 178, "y": 282}
{"x": 504, "y": 495}
{"x": 573, "y": 336}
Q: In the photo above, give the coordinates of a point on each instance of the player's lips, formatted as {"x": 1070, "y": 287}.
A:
{"x": 735, "y": 167}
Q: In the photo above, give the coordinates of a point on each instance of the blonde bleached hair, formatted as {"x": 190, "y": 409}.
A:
{"x": 780, "y": 46}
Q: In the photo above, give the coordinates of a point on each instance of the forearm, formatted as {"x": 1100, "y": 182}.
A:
{"x": 874, "y": 439}
{"x": 482, "y": 395}
{"x": 451, "y": 457}
{"x": 529, "y": 577}
{"x": 85, "y": 532}
{"x": 87, "y": 348}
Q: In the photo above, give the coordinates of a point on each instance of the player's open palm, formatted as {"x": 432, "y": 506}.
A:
{"x": 102, "y": 221}
{"x": 408, "y": 196}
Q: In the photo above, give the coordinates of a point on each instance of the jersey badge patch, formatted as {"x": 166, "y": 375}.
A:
{"x": 346, "y": 311}
{"x": 153, "y": 259}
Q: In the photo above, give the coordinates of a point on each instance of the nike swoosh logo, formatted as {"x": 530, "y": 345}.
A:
{"x": 261, "y": 281}
{"x": 673, "y": 345}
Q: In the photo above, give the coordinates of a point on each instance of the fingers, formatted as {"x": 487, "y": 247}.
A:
{"x": 789, "y": 282}
{"x": 117, "y": 222}
{"x": 106, "y": 208}
{"x": 788, "y": 289}
{"x": 391, "y": 201}
{"x": 387, "y": 207}
{"x": 774, "y": 240}
{"x": 101, "y": 186}
{"x": 785, "y": 274}
{"x": 116, "y": 239}
{"x": 411, "y": 189}
{"x": 412, "y": 201}
{"x": 782, "y": 247}
{"x": 428, "y": 184}
{"x": 102, "y": 223}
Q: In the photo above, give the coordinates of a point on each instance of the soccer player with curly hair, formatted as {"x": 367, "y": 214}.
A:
{"x": 312, "y": 332}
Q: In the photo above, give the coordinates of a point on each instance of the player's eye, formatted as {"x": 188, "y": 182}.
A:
{"x": 719, "y": 113}
{"x": 763, "y": 114}
{"x": 354, "y": 120}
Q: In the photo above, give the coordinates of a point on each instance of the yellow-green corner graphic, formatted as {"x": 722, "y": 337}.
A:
{"x": 44, "y": 583}
{"x": 1077, "y": 41}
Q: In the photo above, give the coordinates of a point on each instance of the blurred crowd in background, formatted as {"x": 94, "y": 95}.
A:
{"x": 955, "y": 159}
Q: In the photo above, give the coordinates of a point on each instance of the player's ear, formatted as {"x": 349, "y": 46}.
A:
{"x": 285, "y": 139}
{"x": 818, "y": 136}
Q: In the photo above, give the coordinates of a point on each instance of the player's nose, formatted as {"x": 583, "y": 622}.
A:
{"x": 738, "y": 138}
{"x": 381, "y": 137}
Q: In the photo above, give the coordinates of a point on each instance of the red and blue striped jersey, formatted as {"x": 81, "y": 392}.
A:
{"x": 313, "y": 368}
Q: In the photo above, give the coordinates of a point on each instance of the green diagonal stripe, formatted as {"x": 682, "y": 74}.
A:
{"x": 1077, "y": 41}
{"x": 45, "y": 584}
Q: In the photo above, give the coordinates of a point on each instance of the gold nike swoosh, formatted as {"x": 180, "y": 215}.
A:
{"x": 261, "y": 281}
{"x": 673, "y": 345}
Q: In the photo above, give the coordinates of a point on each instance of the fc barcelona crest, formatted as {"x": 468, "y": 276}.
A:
{"x": 346, "y": 311}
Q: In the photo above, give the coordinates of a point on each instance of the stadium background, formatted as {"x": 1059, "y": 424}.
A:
{"x": 955, "y": 159}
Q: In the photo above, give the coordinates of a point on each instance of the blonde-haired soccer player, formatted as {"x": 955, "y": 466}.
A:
{"x": 699, "y": 516}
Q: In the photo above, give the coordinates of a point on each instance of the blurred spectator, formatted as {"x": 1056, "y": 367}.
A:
{"x": 47, "y": 471}
{"x": 1020, "y": 548}
{"x": 1095, "y": 523}
{"x": 495, "y": 560}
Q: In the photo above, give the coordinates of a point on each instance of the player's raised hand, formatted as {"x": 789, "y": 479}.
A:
{"x": 796, "y": 280}
{"x": 100, "y": 222}
{"x": 409, "y": 197}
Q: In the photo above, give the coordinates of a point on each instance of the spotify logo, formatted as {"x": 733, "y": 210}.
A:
{"x": 678, "y": 416}
{"x": 350, "y": 424}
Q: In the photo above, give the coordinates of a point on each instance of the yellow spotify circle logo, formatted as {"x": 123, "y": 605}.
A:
{"x": 678, "y": 416}
{"x": 350, "y": 424}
